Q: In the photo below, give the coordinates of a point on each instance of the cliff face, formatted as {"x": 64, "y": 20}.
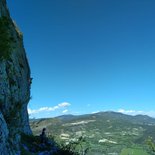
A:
{"x": 15, "y": 84}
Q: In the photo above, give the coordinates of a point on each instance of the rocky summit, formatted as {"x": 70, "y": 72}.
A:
{"x": 15, "y": 82}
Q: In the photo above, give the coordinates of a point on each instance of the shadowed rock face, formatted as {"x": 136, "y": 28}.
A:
{"x": 15, "y": 84}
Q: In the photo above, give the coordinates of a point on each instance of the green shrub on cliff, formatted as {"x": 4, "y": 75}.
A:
{"x": 151, "y": 144}
{"x": 5, "y": 38}
{"x": 31, "y": 145}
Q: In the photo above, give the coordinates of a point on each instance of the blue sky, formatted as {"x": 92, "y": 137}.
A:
{"x": 89, "y": 55}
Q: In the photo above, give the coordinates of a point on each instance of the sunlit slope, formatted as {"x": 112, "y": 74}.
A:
{"x": 105, "y": 132}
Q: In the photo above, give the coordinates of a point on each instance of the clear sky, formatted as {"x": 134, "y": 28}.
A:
{"x": 89, "y": 55}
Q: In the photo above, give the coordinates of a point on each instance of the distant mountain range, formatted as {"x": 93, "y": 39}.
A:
{"x": 106, "y": 132}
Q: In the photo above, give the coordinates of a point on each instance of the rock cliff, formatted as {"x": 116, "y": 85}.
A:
{"x": 15, "y": 84}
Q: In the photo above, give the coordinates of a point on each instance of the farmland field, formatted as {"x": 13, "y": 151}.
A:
{"x": 133, "y": 151}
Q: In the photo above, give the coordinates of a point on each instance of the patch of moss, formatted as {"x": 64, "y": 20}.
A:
{"x": 1, "y": 103}
{"x": 21, "y": 65}
{"x": 5, "y": 38}
{"x": 13, "y": 114}
{"x": 12, "y": 82}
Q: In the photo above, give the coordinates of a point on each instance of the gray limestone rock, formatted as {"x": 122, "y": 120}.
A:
{"x": 15, "y": 84}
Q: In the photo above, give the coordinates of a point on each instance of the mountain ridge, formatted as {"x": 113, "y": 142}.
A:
{"x": 113, "y": 113}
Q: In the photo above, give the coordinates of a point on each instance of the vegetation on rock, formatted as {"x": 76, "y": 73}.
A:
{"x": 31, "y": 145}
{"x": 5, "y": 38}
{"x": 151, "y": 144}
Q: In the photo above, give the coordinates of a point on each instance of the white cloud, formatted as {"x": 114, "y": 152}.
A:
{"x": 30, "y": 111}
{"x": 48, "y": 109}
{"x": 65, "y": 111}
{"x": 64, "y": 104}
{"x": 137, "y": 112}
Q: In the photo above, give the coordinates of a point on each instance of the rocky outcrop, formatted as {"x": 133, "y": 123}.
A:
{"x": 15, "y": 84}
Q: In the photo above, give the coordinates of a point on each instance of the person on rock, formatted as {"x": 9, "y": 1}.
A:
{"x": 43, "y": 136}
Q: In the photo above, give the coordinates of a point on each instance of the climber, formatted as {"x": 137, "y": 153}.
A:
{"x": 30, "y": 81}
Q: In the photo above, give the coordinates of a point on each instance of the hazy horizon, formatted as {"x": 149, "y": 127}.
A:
{"x": 121, "y": 111}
